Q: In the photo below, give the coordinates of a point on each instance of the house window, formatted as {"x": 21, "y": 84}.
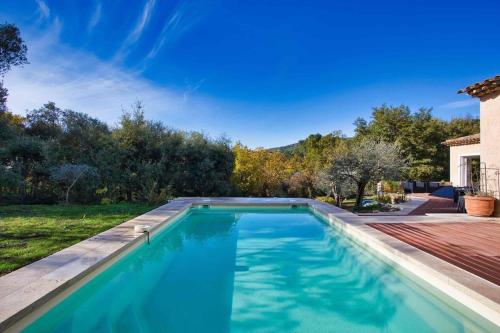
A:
{"x": 470, "y": 171}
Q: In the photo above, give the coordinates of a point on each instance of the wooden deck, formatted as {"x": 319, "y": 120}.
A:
{"x": 473, "y": 246}
{"x": 434, "y": 205}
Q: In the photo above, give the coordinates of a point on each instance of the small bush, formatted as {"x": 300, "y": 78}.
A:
{"x": 391, "y": 186}
{"x": 106, "y": 201}
{"x": 326, "y": 199}
{"x": 391, "y": 198}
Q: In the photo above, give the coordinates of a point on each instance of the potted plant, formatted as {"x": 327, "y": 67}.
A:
{"x": 479, "y": 204}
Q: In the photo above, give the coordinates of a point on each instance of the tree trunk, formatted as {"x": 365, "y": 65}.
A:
{"x": 360, "y": 193}
{"x": 337, "y": 200}
{"x": 73, "y": 184}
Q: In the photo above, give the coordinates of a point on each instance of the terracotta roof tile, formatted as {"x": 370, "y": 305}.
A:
{"x": 464, "y": 140}
{"x": 483, "y": 88}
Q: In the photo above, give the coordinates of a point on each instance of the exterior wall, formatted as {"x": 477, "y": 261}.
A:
{"x": 455, "y": 153}
{"x": 490, "y": 141}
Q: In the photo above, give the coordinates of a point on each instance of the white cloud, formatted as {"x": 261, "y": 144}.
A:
{"x": 96, "y": 17}
{"x": 43, "y": 9}
{"x": 460, "y": 104}
{"x": 143, "y": 20}
{"x": 175, "y": 25}
{"x": 137, "y": 31}
{"x": 192, "y": 88}
{"x": 77, "y": 80}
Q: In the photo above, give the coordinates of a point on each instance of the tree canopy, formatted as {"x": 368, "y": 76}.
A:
{"x": 419, "y": 135}
{"x": 138, "y": 160}
{"x": 12, "y": 53}
{"x": 368, "y": 161}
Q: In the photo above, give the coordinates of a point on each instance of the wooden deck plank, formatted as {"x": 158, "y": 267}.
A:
{"x": 434, "y": 205}
{"x": 474, "y": 247}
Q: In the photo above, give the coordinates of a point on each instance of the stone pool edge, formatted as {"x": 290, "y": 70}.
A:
{"x": 34, "y": 286}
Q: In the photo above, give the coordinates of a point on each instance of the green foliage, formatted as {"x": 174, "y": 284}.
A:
{"x": 139, "y": 160}
{"x": 106, "y": 201}
{"x": 326, "y": 199}
{"x": 305, "y": 168}
{"x": 4, "y": 93}
{"x": 419, "y": 136}
{"x": 391, "y": 198}
{"x": 12, "y": 53}
{"x": 261, "y": 172}
{"x": 334, "y": 183}
{"x": 12, "y": 48}
{"x": 392, "y": 186}
{"x": 368, "y": 161}
{"x": 82, "y": 177}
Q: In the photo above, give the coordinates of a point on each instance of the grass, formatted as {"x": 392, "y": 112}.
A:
{"x": 31, "y": 232}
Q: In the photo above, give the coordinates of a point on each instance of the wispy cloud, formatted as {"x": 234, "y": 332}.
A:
{"x": 191, "y": 88}
{"x": 96, "y": 17}
{"x": 175, "y": 25}
{"x": 79, "y": 81}
{"x": 43, "y": 9}
{"x": 141, "y": 23}
{"x": 139, "y": 27}
{"x": 460, "y": 104}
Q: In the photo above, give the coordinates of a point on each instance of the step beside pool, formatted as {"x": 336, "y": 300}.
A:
{"x": 254, "y": 269}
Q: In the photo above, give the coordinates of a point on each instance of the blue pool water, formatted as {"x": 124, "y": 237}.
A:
{"x": 253, "y": 270}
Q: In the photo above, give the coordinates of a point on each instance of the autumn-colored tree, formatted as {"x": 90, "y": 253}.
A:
{"x": 261, "y": 172}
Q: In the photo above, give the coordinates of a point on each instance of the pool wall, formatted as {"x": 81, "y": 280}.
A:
{"x": 30, "y": 291}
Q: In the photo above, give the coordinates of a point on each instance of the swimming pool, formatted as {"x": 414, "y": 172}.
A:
{"x": 254, "y": 269}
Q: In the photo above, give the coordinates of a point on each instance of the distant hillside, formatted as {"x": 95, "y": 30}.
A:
{"x": 313, "y": 139}
{"x": 286, "y": 149}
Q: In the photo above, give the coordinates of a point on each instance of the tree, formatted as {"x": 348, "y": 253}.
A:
{"x": 361, "y": 127}
{"x": 45, "y": 122}
{"x": 12, "y": 53}
{"x": 69, "y": 174}
{"x": 138, "y": 143}
{"x": 317, "y": 150}
{"x": 4, "y": 93}
{"x": 419, "y": 135}
{"x": 368, "y": 161}
{"x": 389, "y": 123}
{"x": 422, "y": 146}
{"x": 300, "y": 185}
{"x": 334, "y": 184}
{"x": 81, "y": 138}
{"x": 261, "y": 172}
{"x": 12, "y": 48}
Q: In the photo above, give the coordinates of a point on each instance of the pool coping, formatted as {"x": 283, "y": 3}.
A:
{"x": 33, "y": 286}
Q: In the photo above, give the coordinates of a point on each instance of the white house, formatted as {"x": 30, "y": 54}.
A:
{"x": 475, "y": 159}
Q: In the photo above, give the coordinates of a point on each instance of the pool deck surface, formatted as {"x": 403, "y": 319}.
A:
{"x": 433, "y": 205}
{"x": 474, "y": 247}
{"x": 458, "y": 255}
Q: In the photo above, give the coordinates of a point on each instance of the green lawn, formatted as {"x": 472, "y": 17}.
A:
{"x": 31, "y": 232}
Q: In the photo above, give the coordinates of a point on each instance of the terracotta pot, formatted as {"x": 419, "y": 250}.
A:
{"x": 479, "y": 206}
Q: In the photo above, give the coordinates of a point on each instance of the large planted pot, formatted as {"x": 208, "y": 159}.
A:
{"x": 479, "y": 205}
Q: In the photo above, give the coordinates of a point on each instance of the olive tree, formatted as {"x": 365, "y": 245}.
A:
{"x": 69, "y": 174}
{"x": 367, "y": 161}
{"x": 334, "y": 184}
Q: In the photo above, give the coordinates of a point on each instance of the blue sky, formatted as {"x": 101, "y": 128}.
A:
{"x": 266, "y": 73}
